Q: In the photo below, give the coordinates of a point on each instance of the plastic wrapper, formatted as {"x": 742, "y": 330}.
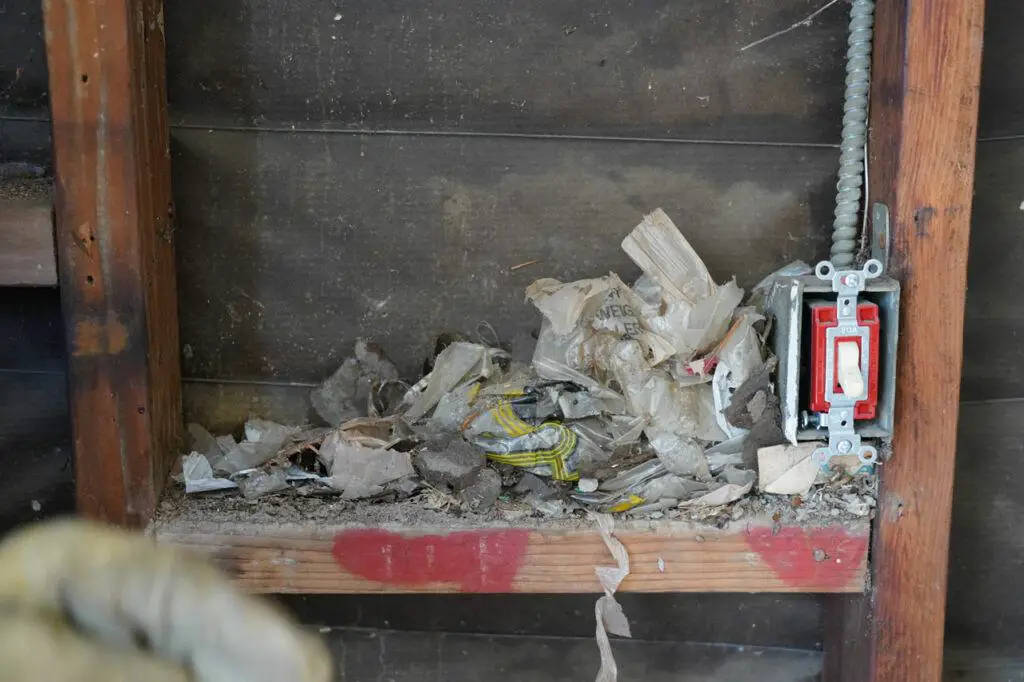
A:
{"x": 460, "y": 363}
{"x": 623, "y": 492}
{"x": 721, "y": 455}
{"x": 668, "y": 407}
{"x": 358, "y": 471}
{"x": 203, "y": 442}
{"x": 548, "y": 449}
{"x": 692, "y": 327}
{"x": 198, "y": 477}
{"x": 760, "y": 296}
{"x": 263, "y": 440}
{"x": 671, "y": 486}
{"x": 350, "y": 391}
{"x": 591, "y": 454}
{"x": 635, "y": 477}
{"x": 609, "y": 432}
{"x": 454, "y": 408}
{"x": 739, "y": 357}
{"x": 733, "y": 484}
{"x": 262, "y": 482}
{"x": 681, "y": 455}
{"x": 580, "y": 404}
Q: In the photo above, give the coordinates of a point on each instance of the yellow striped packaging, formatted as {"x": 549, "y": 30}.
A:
{"x": 548, "y": 449}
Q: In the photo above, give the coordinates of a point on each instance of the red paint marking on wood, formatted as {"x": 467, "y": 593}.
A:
{"x": 475, "y": 561}
{"x": 818, "y": 559}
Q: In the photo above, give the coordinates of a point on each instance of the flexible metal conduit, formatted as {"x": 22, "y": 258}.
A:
{"x": 855, "y": 134}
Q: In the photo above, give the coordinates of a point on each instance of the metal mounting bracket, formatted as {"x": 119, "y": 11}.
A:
{"x": 880, "y": 237}
{"x": 842, "y": 437}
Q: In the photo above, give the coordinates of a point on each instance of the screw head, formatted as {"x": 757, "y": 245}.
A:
{"x": 844, "y": 446}
{"x": 851, "y": 280}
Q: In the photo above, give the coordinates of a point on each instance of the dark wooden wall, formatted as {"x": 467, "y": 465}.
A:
{"x": 375, "y": 168}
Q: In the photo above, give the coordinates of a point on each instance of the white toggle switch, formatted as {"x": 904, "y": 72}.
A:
{"x": 851, "y": 380}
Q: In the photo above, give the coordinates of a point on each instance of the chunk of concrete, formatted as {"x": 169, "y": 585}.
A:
{"x": 483, "y": 491}
{"x": 452, "y": 468}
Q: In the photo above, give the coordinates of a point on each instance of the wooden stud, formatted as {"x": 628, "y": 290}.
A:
{"x": 667, "y": 556}
{"x": 924, "y": 110}
{"x": 115, "y": 254}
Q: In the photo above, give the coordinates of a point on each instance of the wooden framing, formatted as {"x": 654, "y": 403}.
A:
{"x": 924, "y": 113}
{"x": 113, "y": 215}
{"x": 749, "y": 556}
{"x": 115, "y": 255}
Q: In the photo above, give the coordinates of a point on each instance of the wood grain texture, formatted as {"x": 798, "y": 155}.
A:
{"x": 581, "y": 67}
{"x": 924, "y": 122}
{"x": 321, "y": 559}
{"x": 115, "y": 253}
{"x": 290, "y": 247}
{"x": 27, "y": 256}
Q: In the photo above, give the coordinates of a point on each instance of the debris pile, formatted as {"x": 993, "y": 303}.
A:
{"x": 650, "y": 399}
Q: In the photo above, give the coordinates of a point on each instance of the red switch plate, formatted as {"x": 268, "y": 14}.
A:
{"x": 823, "y": 316}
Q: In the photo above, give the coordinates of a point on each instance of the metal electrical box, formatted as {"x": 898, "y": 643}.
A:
{"x": 808, "y": 328}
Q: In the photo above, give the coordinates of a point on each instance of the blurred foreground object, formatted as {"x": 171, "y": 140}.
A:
{"x": 82, "y": 602}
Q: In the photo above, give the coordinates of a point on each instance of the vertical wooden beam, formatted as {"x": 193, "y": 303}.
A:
{"x": 115, "y": 253}
{"x": 924, "y": 109}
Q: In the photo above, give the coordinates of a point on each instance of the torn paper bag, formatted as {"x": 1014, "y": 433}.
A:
{"x": 787, "y": 469}
{"x": 660, "y": 249}
{"x": 584, "y": 321}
